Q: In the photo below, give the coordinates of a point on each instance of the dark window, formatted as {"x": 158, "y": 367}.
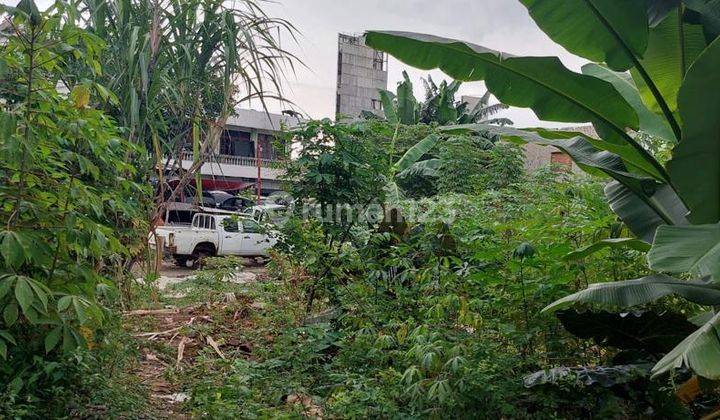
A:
{"x": 230, "y": 225}
{"x": 379, "y": 60}
{"x": 236, "y": 143}
{"x": 337, "y": 104}
{"x": 250, "y": 226}
{"x": 376, "y": 104}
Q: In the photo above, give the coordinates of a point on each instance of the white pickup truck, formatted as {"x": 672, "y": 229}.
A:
{"x": 214, "y": 235}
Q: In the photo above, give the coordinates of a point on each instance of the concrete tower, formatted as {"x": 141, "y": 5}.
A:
{"x": 361, "y": 72}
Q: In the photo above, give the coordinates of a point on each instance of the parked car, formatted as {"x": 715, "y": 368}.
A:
{"x": 227, "y": 201}
{"x": 215, "y": 235}
{"x": 269, "y": 213}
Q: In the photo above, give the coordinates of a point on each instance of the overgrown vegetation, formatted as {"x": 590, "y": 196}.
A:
{"x": 422, "y": 273}
{"x": 71, "y": 212}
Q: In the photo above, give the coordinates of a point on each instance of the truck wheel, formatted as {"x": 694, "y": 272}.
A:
{"x": 198, "y": 258}
{"x": 181, "y": 261}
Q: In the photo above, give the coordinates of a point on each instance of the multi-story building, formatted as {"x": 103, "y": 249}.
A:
{"x": 361, "y": 73}
{"x": 234, "y": 162}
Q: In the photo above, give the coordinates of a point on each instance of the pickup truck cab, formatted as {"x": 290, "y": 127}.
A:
{"x": 215, "y": 235}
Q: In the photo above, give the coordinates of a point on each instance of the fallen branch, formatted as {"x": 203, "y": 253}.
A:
{"x": 152, "y": 312}
{"x": 215, "y": 346}
{"x": 181, "y": 350}
{"x": 157, "y": 333}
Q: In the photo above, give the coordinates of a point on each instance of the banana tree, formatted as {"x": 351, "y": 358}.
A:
{"x": 401, "y": 107}
{"x": 655, "y": 70}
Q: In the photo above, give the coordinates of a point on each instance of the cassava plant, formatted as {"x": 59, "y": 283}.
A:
{"x": 654, "y": 71}
{"x": 68, "y": 204}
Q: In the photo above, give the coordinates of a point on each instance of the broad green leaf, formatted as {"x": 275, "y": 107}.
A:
{"x": 650, "y": 122}
{"x": 29, "y": 8}
{"x": 53, "y": 338}
{"x": 6, "y": 284}
{"x": 80, "y": 311}
{"x": 658, "y": 10}
{"x": 427, "y": 167}
{"x": 12, "y": 249}
{"x": 702, "y": 318}
{"x": 643, "y": 212}
{"x": 666, "y": 61}
{"x": 3, "y": 349}
{"x": 406, "y": 102}
{"x": 388, "y": 103}
{"x": 699, "y": 352}
{"x": 542, "y": 84}
{"x": 41, "y": 291}
{"x": 24, "y": 294}
{"x": 80, "y": 96}
{"x": 7, "y": 337}
{"x": 416, "y": 152}
{"x": 69, "y": 342}
{"x": 583, "y": 376}
{"x": 709, "y": 11}
{"x": 393, "y": 193}
{"x": 695, "y": 166}
{"x": 64, "y": 303}
{"x": 10, "y": 314}
{"x": 681, "y": 249}
{"x": 614, "y": 243}
{"x": 624, "y": 294}
{"x": 600, "y": 30}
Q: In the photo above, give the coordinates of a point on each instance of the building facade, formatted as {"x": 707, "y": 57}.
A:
{"x": 361, "y": 74}
{"x": 537, "y": 156}
{"x": 249, "y": 141}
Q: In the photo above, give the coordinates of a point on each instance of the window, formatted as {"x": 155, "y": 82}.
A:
{"x": 250, "y": 226}
{"x": 230, "y": 225}
{"x": 379, "y": 61}
{"x": 376, "y": 104}
{"x": 236, "y": 143}
{"x": 204, "y": 221}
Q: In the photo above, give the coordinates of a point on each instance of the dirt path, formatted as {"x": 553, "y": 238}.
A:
{"x": 171, "y": 338}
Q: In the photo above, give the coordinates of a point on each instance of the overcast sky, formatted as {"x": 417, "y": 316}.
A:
{"x": 498, "y": 24}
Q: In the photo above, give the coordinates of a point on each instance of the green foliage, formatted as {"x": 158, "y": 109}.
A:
{"x": 337, "y": 165}
{"x": 670, "y": 48}
{"x": 70, "y": 206}
{"x": 427, "y": 321}
{"x": 440, "y": 106}
{"x": 470, "y": 164}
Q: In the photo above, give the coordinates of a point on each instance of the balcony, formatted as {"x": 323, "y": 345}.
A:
{"x": 232, "y": 160}
{"x": 233, "y": 166}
